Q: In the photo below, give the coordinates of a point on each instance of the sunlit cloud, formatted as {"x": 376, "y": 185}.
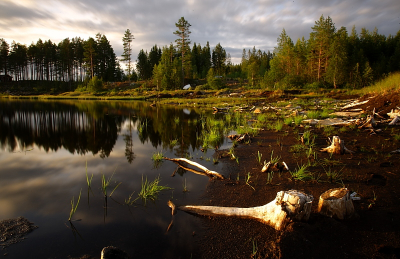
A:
{"x": 233, "y": 24}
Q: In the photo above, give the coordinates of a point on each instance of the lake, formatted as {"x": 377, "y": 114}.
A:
{"x": 47, "y": 150}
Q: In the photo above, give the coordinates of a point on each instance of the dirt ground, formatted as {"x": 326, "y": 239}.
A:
{"x": 372, "y": 172}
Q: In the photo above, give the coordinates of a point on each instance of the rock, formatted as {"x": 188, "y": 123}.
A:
{"x": 111, "y": 252}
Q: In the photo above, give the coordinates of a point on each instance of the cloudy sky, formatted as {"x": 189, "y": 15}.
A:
{"x": 232, "y": 23}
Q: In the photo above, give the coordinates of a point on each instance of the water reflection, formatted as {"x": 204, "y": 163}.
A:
{"x": 93, "y": 126}
{"x": 109, "y": 136}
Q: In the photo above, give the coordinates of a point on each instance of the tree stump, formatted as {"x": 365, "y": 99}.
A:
{"x": 336, "y": 147}
{"x": 336, "y": 203}
{"x": 287, "y": 206}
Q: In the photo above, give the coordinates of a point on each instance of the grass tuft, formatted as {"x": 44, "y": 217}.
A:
{"x": 150, "y": 190}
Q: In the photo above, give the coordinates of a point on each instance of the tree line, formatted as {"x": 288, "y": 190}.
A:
{"x": 70, "y": 60}
{"x": 330, "y": 57}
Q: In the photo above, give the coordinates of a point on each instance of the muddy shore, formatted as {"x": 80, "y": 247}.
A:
{"x": 372, "y": 172}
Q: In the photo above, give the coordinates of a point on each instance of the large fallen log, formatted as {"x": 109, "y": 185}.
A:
{"x": 336, "y": 203}
{"x": 181, "y": 161}
{"x": 336, "y": 147}
{"x": 287, "y": 206}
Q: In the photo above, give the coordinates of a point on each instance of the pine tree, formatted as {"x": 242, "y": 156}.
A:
{"x": 218, "y": 59}
{"x": 183, "y": 41}
{"x": 320, "y": 42}
{"x": 126, "y": 55}
{"x": 4, "y": 50}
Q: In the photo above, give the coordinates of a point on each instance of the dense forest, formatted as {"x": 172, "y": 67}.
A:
{"x": 330, "y": 57}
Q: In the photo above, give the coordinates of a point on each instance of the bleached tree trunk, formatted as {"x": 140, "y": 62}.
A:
{"x": 287, "y": 206}
{"x": 336, "y": 147}
{"x": 336, "y": 203}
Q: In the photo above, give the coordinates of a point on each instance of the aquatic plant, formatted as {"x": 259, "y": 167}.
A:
{"x": 74, "y": 206}
{"x": 130, "y": 201}
{"x": 88, "y": 181}
{"x": 173, "y": 142}
{"x": 176, "y": 120}
{"x": 105, "y": 183}
{"x": 150, "y": 190}
{"x": 185, "y": 189}
{"x": 157, "y": 158}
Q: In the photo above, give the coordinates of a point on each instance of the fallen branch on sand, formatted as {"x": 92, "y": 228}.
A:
{"x": 337, "y": 147}
{"x": 181, "y": 162}
{"x": 287, "y": 206}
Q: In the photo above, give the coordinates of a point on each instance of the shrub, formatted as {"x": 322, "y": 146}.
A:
{"x": 95, "y": 84}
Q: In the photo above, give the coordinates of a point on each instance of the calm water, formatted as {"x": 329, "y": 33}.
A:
{"x": 44, "y": 147}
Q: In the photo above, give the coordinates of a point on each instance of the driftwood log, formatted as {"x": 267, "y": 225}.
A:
{"x": 393, "y": 113}
{"x": 336, "y": 147}
{"x": 287, "y": 206}
{"x": 277, "y": 166}
{"x": 336, "y": 203}
{"x": 370, "y": 123}
{"x": 240, "y": 137}
{"x": 395, "y": 121}
{"x": 181, "y": 162}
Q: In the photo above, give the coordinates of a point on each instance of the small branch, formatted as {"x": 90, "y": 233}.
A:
{"x": 206, "y": 172}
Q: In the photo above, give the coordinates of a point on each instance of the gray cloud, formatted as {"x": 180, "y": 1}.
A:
{"x": 234, "y": 24}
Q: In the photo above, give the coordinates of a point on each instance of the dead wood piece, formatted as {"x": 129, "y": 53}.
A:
{"x": 336, "y": 203}
{"x": 337, "y": 147}
{"x": 395, "y": 121}
{"x": 240, "y": 138}
{"x": 206, "y": 172}
{"x": 274, "y": 167}
{"x": 216, "y": 109}
{"x": 393, "y": 113}
{"x": 395, "y": 151}
{"x": 354, "y": 104}
{"x": 370, "y": 123}
{"x": 287, "y": 206}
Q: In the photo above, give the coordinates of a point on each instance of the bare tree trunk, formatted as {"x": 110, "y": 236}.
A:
{"x": 336, "y": 147}
{"x": 336, "y": 203}
{"x": 287, "y": 206}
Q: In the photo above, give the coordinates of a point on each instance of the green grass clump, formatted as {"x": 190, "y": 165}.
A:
{"x": 301, "y": 173}
{"x": 74, "y": 206}
{"x": 157, "y": 158}
{"x": 298, "y": 120}
{"x": 105, "y": 183}
{"x": 150, "y": 190}
{"x": 288, "y": 121}
{"x": 313, "y": 114}
{"x": 278, "y": 126}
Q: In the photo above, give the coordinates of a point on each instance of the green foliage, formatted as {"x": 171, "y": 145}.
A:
{"x": 301, "y": 173}
{"x": 95, "y": 84}
{"x": 214, "y": 81}
{"x": 74, "y": 206}
{"x": 150, "y": 190}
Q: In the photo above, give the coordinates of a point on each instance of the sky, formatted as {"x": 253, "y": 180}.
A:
{"x": 235, "y": 24}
